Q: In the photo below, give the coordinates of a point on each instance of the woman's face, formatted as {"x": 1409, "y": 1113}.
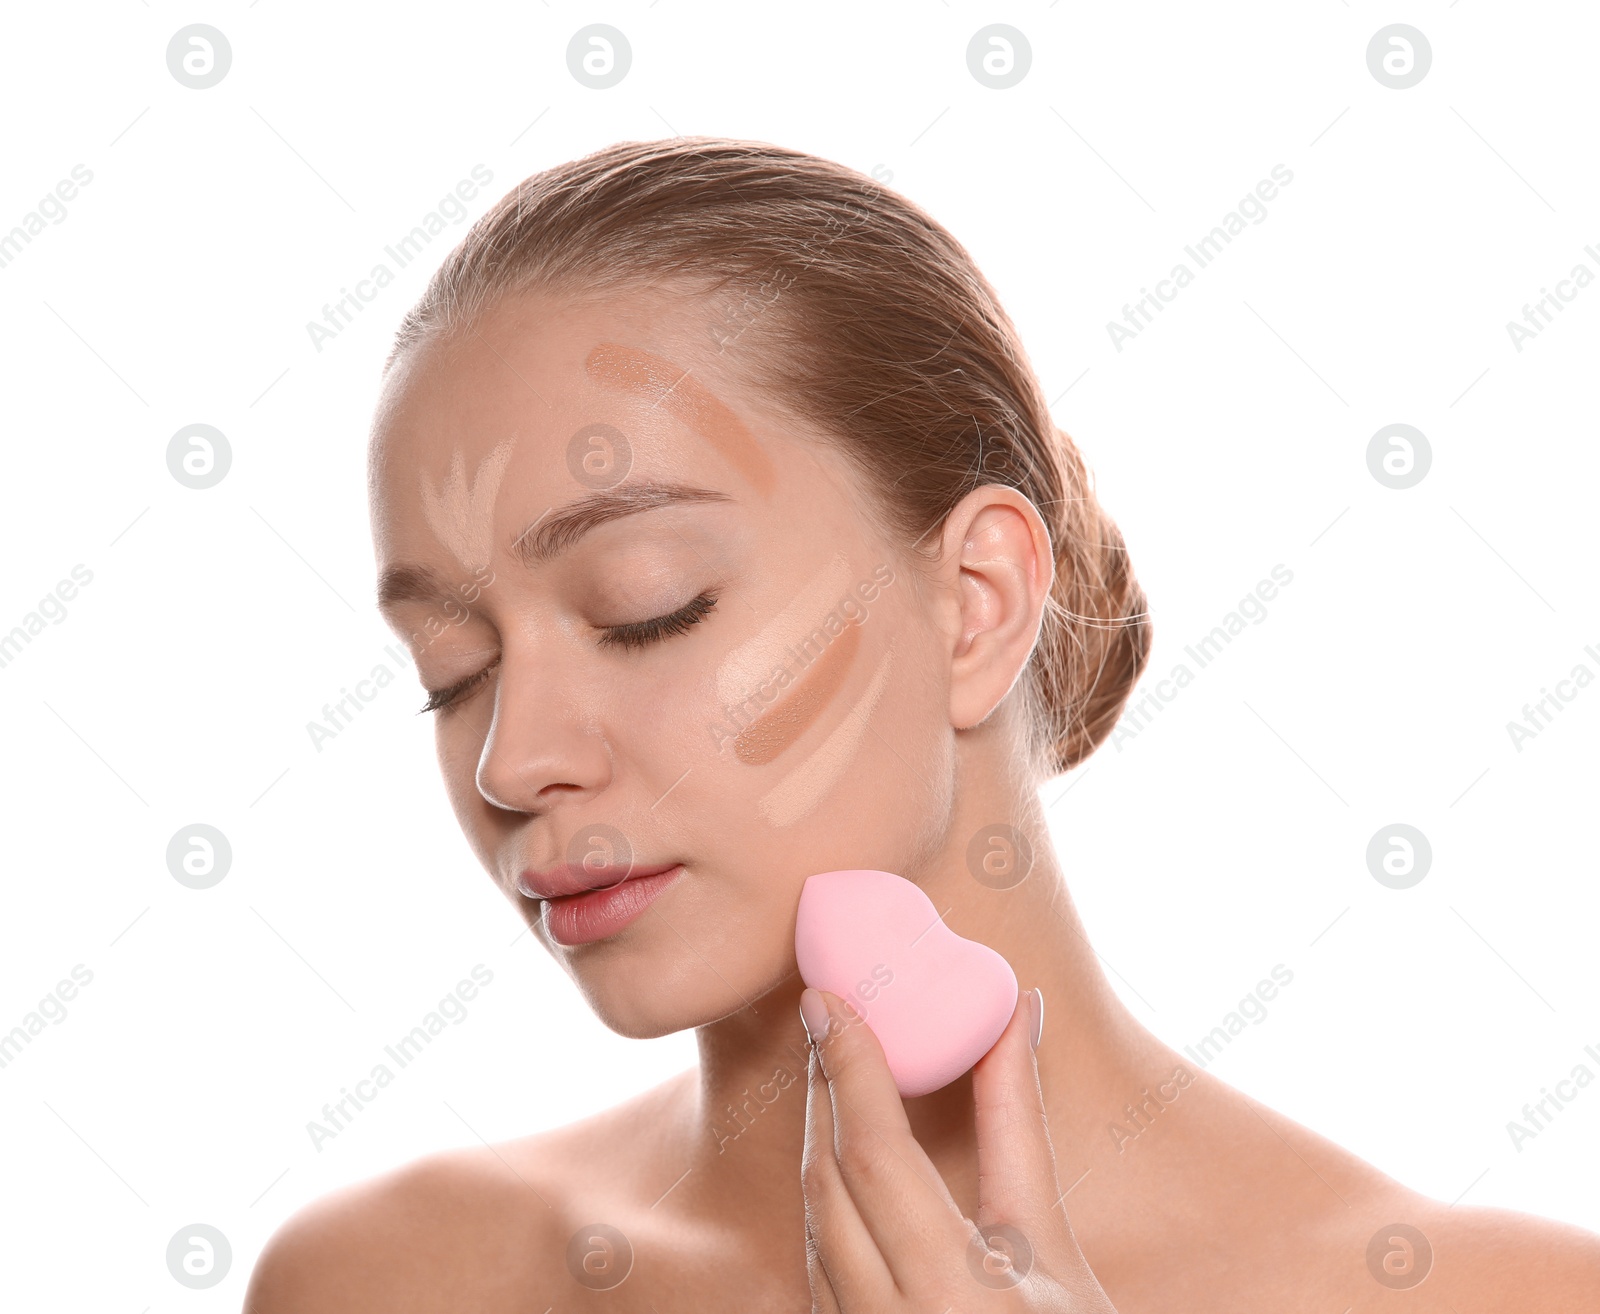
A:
{"x": 547, "y": 486}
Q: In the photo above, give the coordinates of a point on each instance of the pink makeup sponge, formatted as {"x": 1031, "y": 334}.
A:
{"x": 935, "y": 1001}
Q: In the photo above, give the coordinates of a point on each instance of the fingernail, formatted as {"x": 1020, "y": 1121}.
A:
{"x": 813, "y": 1014}
{"x": 1036, "y": 1015}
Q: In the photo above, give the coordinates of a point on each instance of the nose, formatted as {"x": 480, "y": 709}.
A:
{"x": 542, "y": 748}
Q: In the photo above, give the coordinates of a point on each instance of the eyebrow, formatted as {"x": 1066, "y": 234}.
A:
{"x": 554, "y": 532}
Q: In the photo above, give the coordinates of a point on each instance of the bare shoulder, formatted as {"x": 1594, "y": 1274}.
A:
{"x": 474, "y": 1229}
{"x": 460, "y": 1229}
{"x": 1352, "y": 1231}
{"x": 1511, "y": 1261}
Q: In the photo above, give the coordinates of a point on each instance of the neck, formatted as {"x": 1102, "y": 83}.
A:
{"x": 1093, "y": 1058}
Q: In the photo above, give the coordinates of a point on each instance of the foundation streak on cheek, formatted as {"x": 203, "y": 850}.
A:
{"x": 687, "y": 400}
{"x": 783, "y": 723}
{"x": 744, "y": 670}
{"x": 806, "y": 786}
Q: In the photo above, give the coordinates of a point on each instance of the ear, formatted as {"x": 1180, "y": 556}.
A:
{"x": 998, "y": 550}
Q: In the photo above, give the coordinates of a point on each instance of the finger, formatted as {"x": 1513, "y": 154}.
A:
{"x": 898, "y": 1193}
{"x": 842, "y": 1262}
{"x": 824, "y": 1300}
{"x": 1018, "y": 1186}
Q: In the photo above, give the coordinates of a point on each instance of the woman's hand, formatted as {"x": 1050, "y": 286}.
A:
{"x": 882, "y": 1231}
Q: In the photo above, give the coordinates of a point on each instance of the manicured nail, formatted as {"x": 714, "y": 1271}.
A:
{"x": 813, "y": 1013}
{"x": 1036, "y": 1014}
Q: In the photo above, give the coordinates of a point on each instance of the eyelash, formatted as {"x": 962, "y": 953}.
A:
{"x": 641, "y": 633}
{"x": 636, "y": 634}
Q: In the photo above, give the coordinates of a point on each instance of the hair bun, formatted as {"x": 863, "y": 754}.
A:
{"x": 1095, "y": 640}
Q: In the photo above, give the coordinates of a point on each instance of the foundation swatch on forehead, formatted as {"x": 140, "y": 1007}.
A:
{"x": 744, "y": 670}
{"x": 462, "y": 514}
{"x": 806, "y": 786}
{"x": 686, "y": 399}
{"x": 801, "y": 703}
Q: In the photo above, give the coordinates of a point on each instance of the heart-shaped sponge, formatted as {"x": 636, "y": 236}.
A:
{"x": 936, "y": 1002}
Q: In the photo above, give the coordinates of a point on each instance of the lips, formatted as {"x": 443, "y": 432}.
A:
{"x": 597, "y": 915}
{"x": 575, "y": 878}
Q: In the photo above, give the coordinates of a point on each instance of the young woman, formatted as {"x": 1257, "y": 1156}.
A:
{"x": 733, "y": 540}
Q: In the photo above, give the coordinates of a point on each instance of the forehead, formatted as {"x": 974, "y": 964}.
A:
{"x": 524, "y": 363}
{"x": 509, "y": 422}
{"x": 549, "y": 392}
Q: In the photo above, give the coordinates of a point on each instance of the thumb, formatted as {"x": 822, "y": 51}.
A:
{"x": 1017, "y": 1182}
{"x": 1019, "y": 1194}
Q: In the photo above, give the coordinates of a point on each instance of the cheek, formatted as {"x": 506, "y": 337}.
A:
{"x": 799, "y": 701}
{"x": 457, "y": 749}
{"x": 837, "y": 694}
{"x": 815, "y": 772}
{"x": 885, "y": 787}
{"x": 673, "y": 718}
{"x": 869, "y": 784}
{"x": 457, "y": 763}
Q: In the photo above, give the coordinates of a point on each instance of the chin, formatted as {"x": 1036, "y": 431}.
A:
{"x": 646, "y": 1012}
{"x": 643, "y": 994}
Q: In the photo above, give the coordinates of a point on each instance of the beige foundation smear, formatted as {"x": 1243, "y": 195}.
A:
{"x": 744, "y": 670}
{"x": 687, "y": 400}
{"x": 804, "y": 787}
{"x": 462, "y": 516}
{"x": 800, "y": 704}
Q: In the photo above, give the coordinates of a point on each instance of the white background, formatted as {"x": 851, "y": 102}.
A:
{"x": 1230, "y": 436}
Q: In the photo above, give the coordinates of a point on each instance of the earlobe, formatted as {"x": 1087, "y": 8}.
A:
{"x": 997, "y": 540}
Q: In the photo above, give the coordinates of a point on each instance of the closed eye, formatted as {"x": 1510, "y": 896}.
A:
{"x": 640, "y": 633}
{"x": 438, "y": 698}
{"x": 635, "y": 634}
